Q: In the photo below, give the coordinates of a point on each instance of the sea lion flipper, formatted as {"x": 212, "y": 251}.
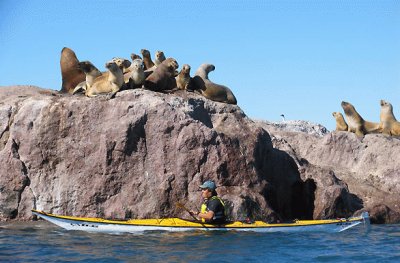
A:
{"x": 81, "y": 87}
{"x": 359, "y": 133}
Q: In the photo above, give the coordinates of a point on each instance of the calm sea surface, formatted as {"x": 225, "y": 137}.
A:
{"x": 44, "y": 242}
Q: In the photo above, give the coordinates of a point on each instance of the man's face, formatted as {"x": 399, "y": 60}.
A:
{"x": 205, "y": 193}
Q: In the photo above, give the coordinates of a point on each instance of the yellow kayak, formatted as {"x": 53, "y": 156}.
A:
{"x": 178, "y": 224}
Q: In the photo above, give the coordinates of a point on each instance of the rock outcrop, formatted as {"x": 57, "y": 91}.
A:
{"x": 137, "y": 155}
{"x": 367, "y": 168}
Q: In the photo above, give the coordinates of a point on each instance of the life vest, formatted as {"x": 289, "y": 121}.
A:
{"x": 216, "y": 215}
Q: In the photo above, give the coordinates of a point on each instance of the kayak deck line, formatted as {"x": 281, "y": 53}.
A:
{"x": 178, "y": 224}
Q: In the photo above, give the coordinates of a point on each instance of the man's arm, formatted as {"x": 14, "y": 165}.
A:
{"x": 207, "y": 215}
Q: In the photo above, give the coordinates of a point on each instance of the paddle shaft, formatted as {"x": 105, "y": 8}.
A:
{"x": 190, "y": 213}
{"x": 187, "y": 210}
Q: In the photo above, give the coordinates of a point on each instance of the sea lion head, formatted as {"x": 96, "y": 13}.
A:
{"x": 112, "y": 66}
{"x": 160, "y": 55}
{"x": 185, "y": 69}
{"x": 137, "y": 64}
{"x": 386, "y": 106}
{"x": 68, "y": 55}
{"x": 348, "y": 108}
{"x": 121, "y": 62}
{"x": 204, "y": 69}
{"x": 208, "y": 67}
{"x": 145, "y": 53}
{"x": 337, "y": 115}
{"x": 86, "y": 66}
{"x": 171, "y": 63}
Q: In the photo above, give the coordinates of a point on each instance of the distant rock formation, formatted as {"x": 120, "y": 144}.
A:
{"x": 295, "y": 126}
{"x": 137, "y": 155}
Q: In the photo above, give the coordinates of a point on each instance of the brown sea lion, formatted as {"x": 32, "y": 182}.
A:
{"x": 163, "y": 77}
{"x": 70, "y": 73}
{"x": 209, "y": 89}
{"x": 183, "y": 79}
{"x": 137, "y": 76}
{"x": 341, "y": 124}
{"x": 148, "y": 63}
{"x": 112, "y": 84}
{"x": 160, "y": 57}
{"x": 356, "y": 123}
{"x": 91, "y": 73}
{"x": 388, "y": 122}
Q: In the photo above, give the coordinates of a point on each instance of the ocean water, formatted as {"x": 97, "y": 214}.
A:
{"x": 43, "y": 242}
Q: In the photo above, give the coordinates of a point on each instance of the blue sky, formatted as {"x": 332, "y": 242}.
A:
{"x": 299, "y": 58}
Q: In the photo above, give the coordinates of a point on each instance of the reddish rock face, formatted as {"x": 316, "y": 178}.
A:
{"x": 139, "y": 154}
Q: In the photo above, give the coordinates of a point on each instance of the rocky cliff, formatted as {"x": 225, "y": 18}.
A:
{"x": 137, "y": 155}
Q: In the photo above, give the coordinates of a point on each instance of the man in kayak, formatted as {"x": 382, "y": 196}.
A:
{"x": 213, "y": 208}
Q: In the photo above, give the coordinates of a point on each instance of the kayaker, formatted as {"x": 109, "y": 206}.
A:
{"x": 213, "y": 208}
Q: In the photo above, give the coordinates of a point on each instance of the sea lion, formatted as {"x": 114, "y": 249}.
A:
{"x": 148, "y": 63}
{"x": 112, "y": 84}
{"x": 341, "y": 124}
{"x": 137, "y": 75}
{"x": 209, "y": 89}
{"x": 91, "y": 73}
{"x": 388, "y": 122}
{"x": 183, "y": 79}
{"x": 70, "y": 73}
{"x": 356, "y": 123}
{"x": 162, "y": 77}
{"x": 160, "y": 57}
{"x": 124, "y": 65}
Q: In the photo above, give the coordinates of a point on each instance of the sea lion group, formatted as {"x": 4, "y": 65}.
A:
{"x": 161, "y": 76}
{"x": 355, "y": 123}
